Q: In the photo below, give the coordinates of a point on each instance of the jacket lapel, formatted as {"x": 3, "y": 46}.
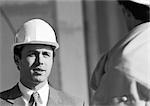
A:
{"x": 19, "y": 102}
{"x": 14, "y": 94}
{"x": 56, "y": 98}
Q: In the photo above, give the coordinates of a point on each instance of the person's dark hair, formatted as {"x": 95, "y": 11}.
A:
{"x": 139, "y": 11}
{"x": 18, "y": 50}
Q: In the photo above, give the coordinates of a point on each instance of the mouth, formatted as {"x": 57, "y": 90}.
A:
{"x": 38, "y": 71}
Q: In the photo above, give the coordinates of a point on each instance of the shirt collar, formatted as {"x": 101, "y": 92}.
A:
{"x": 26, "y": 92}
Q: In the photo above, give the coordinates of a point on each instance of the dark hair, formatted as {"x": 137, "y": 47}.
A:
{"x": 139, "y": 11}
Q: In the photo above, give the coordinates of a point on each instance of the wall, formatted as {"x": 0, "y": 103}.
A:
{"x": 72, "y": 48}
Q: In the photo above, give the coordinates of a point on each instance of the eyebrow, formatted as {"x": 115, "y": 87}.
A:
{"x": 37, "y": 51}
{"x": 31, "y": 51}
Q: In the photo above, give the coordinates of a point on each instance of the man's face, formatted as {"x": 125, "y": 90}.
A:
{"x": 35, "y": 63}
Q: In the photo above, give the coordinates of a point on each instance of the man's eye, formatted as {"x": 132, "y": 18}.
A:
{"x": 31, "y": 54}
{"x": 47, "y": 54}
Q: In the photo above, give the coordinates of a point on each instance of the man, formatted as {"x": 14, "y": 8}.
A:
{"x": 34, "y": 52}
{"x": 122, "y": 76}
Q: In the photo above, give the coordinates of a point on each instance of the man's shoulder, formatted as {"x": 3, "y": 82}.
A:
{"x": 64, "y": 98}
{"x": 4, "y": 94}
{"x": 11, "y": 93}
{"x": 4, "y": 103}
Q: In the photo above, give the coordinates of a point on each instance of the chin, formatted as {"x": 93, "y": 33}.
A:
{"x": 39, "y": 79}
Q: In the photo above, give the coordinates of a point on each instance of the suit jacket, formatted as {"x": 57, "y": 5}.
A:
{"x": 4, "y": 103}
{"x": 122, "y": 76}
{"x": 13, "y": 97}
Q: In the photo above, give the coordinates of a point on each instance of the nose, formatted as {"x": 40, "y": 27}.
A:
{"x": 39, "y": 60}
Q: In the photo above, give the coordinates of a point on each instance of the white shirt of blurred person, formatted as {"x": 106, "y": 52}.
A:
{"x": 34, "y": 55}
{"x": 122, "y": 75}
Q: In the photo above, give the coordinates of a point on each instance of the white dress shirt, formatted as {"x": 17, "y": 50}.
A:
{"x": 26, "y": 93}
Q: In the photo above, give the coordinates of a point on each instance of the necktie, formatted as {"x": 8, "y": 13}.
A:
{"x": 35, "y": 100}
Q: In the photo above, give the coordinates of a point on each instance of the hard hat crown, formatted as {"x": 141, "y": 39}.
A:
{"x": 36, "y": 31}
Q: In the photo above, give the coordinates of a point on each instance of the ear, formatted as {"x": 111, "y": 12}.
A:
{"x": 17, "y": 61}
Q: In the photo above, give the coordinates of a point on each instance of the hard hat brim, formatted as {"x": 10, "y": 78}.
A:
{"x": 52, "y": 44}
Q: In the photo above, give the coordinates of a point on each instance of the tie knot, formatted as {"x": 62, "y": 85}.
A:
{"x": 36, "y": 95}
{"x": 35, "y": 99}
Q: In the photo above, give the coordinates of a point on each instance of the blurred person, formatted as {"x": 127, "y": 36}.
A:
{"x": 34, "y": 52}
{"x": 122, "y": 75}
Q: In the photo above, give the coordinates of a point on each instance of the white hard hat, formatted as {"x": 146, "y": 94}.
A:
{"x": 144, "y": 2}
{"x": 36, "y": 31}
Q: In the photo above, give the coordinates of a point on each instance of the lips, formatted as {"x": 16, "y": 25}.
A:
{"x": 38, "y": 70}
